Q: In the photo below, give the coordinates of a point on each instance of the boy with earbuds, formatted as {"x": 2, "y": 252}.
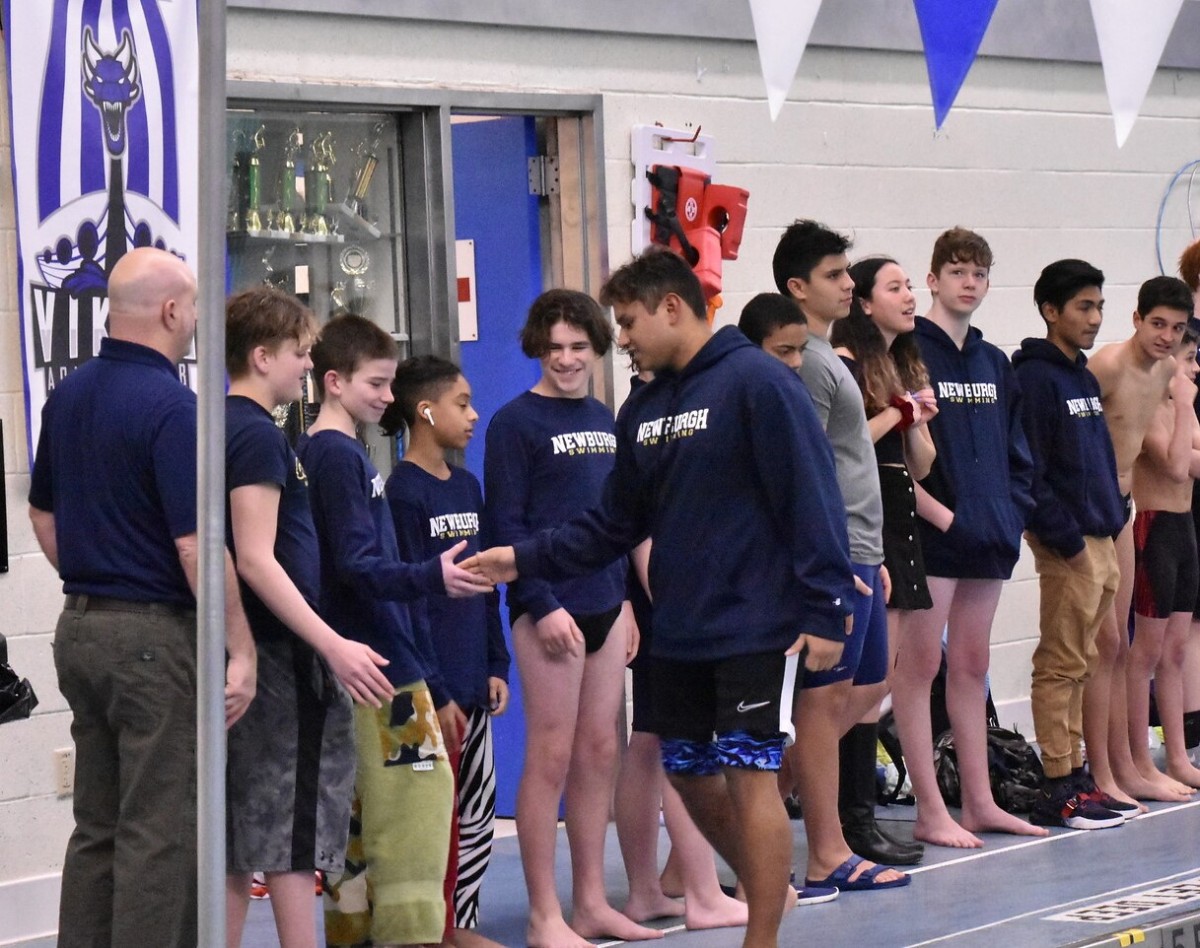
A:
{"x": 435, "y": 505}
{"x": 392, "y": 890}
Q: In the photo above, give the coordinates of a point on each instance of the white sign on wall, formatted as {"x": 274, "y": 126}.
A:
{"x": 468, "y": 296}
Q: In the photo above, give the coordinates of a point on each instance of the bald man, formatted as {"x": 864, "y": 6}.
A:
{"x": 113, "y": 506}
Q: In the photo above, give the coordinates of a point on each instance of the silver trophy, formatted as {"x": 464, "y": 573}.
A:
{"x": 354, "y": 293}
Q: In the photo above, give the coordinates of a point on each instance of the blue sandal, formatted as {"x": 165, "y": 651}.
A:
{"x": 864, "y": 882}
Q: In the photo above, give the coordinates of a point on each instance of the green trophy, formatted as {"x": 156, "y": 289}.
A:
{"x": 253, "y": 219}
{"x": 284, "y": 220}
{"x": 234, "y": 203}
{"x": 318, "y": 184}
{"x": 237, "y": 183}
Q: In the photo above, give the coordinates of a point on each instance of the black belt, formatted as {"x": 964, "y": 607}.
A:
{"x": 84, "y": 603}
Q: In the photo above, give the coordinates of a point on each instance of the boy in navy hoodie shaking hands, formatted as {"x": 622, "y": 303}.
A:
{"x": 749, "y": 572}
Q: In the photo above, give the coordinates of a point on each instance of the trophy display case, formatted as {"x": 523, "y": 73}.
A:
{"x": 313, "y": 207}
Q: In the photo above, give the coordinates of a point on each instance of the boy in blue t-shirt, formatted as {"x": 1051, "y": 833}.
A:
{"x": 291, "y": 760}
{"x": 435, "y": 505}
{"x": 391, "y": 892}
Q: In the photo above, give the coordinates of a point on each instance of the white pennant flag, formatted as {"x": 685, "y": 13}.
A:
{"x": 1132, "y": 38}
{"x": 781, "y": 29}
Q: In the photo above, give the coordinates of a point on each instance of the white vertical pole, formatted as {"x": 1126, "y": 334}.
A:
{"x": 210, "y": 358}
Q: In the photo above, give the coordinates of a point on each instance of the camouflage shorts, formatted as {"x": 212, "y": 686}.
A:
{"x": 392, "y": 889}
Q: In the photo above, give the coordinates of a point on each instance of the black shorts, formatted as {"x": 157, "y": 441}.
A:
{"x": 1196, "y": 524}
{"x": 643, "y": 674}
{"x": 642, "y": 671}
{"x": 595, "y": 626}
{"x": 693, "y": 701}
{"x": 1167, "y": 574}
{"x": 901, "y": 542}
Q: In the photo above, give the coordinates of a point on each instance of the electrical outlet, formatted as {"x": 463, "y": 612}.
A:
{"x": 64, "y": 771}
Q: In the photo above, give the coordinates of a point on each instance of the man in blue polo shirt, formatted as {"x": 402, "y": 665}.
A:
{"x": 113, "y": 506}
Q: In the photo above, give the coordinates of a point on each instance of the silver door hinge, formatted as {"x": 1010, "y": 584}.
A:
{"x": 543, "y": 175}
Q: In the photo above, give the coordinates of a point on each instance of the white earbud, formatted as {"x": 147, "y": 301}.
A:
{"x": 428, "y": 416}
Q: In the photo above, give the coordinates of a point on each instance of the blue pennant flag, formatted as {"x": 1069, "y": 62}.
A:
{"x": 951, "y": 31}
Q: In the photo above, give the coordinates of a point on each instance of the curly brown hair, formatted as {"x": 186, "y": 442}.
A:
{"x": 564, "y": 306}
{"x": 1189, "y": 266}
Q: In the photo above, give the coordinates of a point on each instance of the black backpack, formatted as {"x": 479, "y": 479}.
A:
{"x": 1015, "y": 769}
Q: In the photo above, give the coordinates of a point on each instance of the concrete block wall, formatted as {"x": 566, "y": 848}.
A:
{"x": 34, "y": 822}
{"x": 1027, "y": 157}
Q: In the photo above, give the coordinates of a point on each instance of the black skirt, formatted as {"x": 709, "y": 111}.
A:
{"x": 901, "y": 540}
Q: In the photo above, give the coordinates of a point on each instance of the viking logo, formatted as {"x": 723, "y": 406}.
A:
{"x": 111, "y": 83}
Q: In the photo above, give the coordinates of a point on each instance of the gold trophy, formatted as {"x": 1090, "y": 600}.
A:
{"x": 283, "y": 219}
{"x": 352, "y": 209}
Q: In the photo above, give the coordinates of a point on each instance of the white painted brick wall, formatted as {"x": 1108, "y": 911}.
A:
{"x": 34, "y": 823}
{"x": 1027, "y": 158}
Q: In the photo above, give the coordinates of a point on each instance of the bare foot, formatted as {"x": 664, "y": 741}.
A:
{"x": 719, "y": 911}
{"x": 995, "y": 820}
{"x": 604, "y": 921}
{"x": 553, "y": 933}
{"x": 1118, "y": 794}
{"x": 1140, "y": 788}
{"x": 469, "y": 938}
{"x": 1184, "y": 773}
{"x": 645, "y": 906}
{"x": 944, "y": 832}
{"x": 1165, "y": 783}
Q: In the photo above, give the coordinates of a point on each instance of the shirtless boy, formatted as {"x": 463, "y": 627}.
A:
{"x": 1134, "y": 376}
{"x": 1165, "y": 577}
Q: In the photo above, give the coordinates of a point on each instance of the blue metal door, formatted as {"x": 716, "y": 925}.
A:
{"x": 493, "y": 207}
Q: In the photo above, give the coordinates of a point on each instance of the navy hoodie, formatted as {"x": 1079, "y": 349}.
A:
{"x": 983, "y": 469}
{"x": 1075, "y": 487}
{"x": 365, "y": 586}
{"x": 725, "y": 466}
{"x": 432, "y": 515}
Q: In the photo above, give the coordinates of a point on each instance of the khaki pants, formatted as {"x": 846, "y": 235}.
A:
{"x": 1074, "y": 600}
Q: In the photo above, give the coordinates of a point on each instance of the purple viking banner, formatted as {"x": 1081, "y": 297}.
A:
{"x": 104, "y": 126}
